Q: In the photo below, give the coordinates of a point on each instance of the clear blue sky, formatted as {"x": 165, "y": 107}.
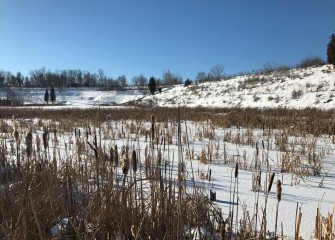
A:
{"x": 148, "y": 37}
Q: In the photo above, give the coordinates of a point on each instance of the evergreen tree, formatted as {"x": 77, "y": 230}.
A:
{"x": 152, "y": 85}
{"x": 187, "y": 82}
{"x": 46, "y": 96}
{"x": 52, "y": 95}
{"x": 331, "y": 50}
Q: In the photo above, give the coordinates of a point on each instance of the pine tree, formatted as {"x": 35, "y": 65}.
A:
{"x": 152, "y": 85}
{"x": 331, "y": 50}
{"x": 52, "y": 95}
{"x": 46, "y": 96}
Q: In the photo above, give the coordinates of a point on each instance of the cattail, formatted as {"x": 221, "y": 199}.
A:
{"x": 16, "y": 135}
{"x": 236, "y": 170}
{"x": 38, "y": 143}
{"x": 152, "y": 127}
{"x": 271, "y": 181}
{"x": 29, "y": 144}
{"x": 134, "y": 161}
{"x": 279, "y": 190}
{"x": 116, "y": 156}
{"x": 55, "y": 135}
{"x": 203, "y": 158}
{"x": 259, "y": 179}
{"x": 111, "y": 153}
{"x": 125, "y": 163}
{"x": 45, "y": 139}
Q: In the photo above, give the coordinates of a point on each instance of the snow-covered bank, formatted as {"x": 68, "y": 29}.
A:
{"x": 296, "y": 88}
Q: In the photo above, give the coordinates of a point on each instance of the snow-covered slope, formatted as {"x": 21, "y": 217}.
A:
{"x": 297, "y": 88}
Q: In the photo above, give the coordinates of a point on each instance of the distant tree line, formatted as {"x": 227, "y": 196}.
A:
{"x": 77, "y": 78}
{"x": 61, "y": 79}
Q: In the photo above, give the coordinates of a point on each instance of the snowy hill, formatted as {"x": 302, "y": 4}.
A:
{"x": 296, "y": 88}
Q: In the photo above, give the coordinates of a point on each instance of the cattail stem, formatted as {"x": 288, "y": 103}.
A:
{"x": 277, "y": 207}
{"x": 236, "y": 183}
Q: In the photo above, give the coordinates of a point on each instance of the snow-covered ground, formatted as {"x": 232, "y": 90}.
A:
{"x": 225, "y": 148}
{"x": 297, "y": 88}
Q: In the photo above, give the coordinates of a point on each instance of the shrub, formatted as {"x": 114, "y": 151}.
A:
{"x": 311, "y": 62}
{"x": 256, "y": 98}
{"x": 187, "y": 82}
{"x": 269, "y": 68}
{"x": 296, "y": 94}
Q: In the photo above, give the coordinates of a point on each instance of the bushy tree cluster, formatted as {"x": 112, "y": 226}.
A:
{"x": 215, "y": 74}
{"x": 171, "y": 79}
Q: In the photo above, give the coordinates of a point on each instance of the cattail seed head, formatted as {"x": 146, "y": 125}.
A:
{"x": 271, "y": 181}
{"x": 259, "y": 179}
{"x": 279, "y": 190}
{"x": 29, "y": 144}
{"x": 153, "y": 127}
{"x": 134, "y": 161}
{"x": 16, "y": 135}
{"x": 111, "y": 154}
{"x": 45, "y": 139}
{"x": 125, "y": 163}
{"x": 236, "y": 170}
{"x": 116, "y": 156}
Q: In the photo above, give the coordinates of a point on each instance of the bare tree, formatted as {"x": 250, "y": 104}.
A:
{"x": 216, "y": 72}
{"x": 201, "y": 77}
{"x": 122, "y": 80}
{"x": 140, "y": 80}
{"x": 170, "y": 78}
